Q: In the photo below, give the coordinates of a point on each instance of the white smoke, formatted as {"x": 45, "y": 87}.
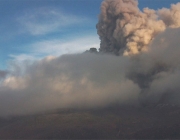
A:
{"x": 123, "y": 28}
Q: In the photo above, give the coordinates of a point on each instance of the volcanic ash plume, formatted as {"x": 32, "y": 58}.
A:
{"x": 123, "y": 28}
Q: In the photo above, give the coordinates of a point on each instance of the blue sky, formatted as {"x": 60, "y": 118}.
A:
{"x": 33, "y": 29}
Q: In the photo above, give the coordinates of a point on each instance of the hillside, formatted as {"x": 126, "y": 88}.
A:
{"x": 161, "y": 121}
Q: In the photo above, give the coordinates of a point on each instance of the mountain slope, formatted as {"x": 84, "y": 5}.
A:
{"x": 161, "y": 121}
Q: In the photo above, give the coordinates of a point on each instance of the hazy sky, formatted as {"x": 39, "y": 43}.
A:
{"x": 32, "y": 29}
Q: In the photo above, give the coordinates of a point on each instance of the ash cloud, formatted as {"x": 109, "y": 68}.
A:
{"x": 80, "y": 81}
{"x": 96, "y": 80}
{"x": 3, "y": 74}
{"x": 124, "y": 29}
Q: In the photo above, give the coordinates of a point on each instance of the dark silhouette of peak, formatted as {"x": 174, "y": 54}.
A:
{"x": 92, "y": 50}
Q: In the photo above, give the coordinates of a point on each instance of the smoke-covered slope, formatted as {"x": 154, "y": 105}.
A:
{"x": 160, "y": 122}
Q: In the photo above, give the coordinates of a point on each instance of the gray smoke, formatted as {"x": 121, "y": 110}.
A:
{"x": 124, "y": 29}
{"x": 3, "y": 74}
{"x": 80, "y": 81}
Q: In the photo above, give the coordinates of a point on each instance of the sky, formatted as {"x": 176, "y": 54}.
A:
{"x": 34, "y": 29}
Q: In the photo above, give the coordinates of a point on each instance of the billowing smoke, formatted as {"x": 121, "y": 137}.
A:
{"x": 96, "y": 80}
{"x": 124, "y": 29}
{"x": 80, "y": 81}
